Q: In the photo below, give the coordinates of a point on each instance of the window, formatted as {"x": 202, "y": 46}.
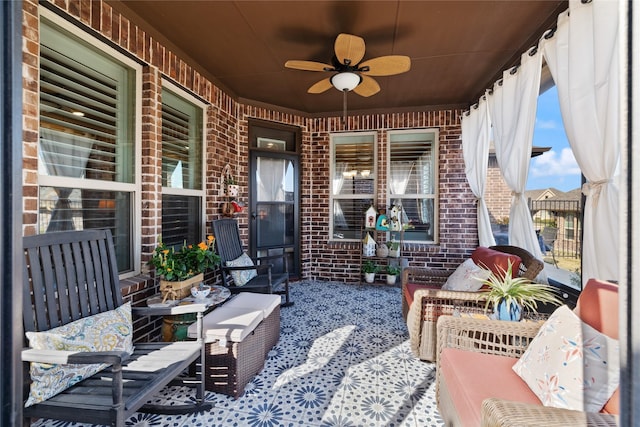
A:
{"x": 569, "y": 227}
{"x": 86, "y": 167}
{"x": 182, "y": 165}
{"x": 412, "y": 181}
{"x": 353, "y": 178}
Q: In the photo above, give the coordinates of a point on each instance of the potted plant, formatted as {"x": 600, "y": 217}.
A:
{"x": 393, "y": 271}
{"x": 180, "y": 269}
{"x": 509, "y": 295}
{"x": 370, "y": 268}
{"x": 394, "y": 248}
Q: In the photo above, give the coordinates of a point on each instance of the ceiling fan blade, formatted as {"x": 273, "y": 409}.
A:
{"x": 308, "y": 65}
{"x": 367, "y": 87}
{"x": 321, "y": 86}
{"x": 349, "y": 47}
{"x": 387, "y": 65}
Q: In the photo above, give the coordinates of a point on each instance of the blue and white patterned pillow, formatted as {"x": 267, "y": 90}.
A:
{"x": 570, "y": 365}
{"x": 108, "y": 331}
{"x": 241, "y": 277}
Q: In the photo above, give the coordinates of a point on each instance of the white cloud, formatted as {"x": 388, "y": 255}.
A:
{"x": 551, "y": 164}
{"x": 546, "y": 124}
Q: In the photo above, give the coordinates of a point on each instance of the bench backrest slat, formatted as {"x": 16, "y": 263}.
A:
{"x": 69, "y": 275}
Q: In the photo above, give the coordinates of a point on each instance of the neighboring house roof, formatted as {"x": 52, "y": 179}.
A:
{"x": 560, "y": 201}
{"x": 575, "y": 194}
{"x": 543, "y": 194}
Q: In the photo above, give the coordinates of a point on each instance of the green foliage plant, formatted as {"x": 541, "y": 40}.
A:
{"x": 518, "y": 290}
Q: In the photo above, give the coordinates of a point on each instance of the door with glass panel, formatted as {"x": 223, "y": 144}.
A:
{"x": 274, "y": 200}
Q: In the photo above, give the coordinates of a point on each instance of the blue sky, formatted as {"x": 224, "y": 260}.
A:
{"x": 557, "y": 167}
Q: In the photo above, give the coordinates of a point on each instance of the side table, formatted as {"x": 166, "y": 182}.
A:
{"x": 174, "y": 326}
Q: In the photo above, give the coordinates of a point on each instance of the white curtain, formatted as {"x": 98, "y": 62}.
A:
{"x": 399, "y": 180}
{"x": 63, "y": 154}
{"x": 270, "y": 181}
{"x": 475, "y": 149}
{"x": 583, "y": 59}
{"x": 512, "y": 107}
{"x": 338, "y": 181}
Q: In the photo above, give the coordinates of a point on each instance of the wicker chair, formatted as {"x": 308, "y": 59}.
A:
{"x": 430, "y": 302}
{"x": 511, "y": 339}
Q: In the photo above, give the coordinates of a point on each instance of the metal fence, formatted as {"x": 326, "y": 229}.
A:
{"x": 566, "y": 217}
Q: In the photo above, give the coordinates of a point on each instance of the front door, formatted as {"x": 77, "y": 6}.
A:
{"x": 274, "y": 195}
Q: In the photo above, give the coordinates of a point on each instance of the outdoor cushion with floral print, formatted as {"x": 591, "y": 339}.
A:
{"x": 108, "y": 331}
{"x": 467, "y": 277}
{"x": 241, "y": 277}
{"x": 570, "y": 365}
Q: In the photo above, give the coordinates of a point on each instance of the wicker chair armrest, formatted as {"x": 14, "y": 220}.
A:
{"x": 498, "y": 412}
{"x": 424, "y": 276}
{"x": 486, "y": 336}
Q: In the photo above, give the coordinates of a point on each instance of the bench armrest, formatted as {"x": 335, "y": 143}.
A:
{"x": 498, "y": 412}
{"x": 115, "y": 358}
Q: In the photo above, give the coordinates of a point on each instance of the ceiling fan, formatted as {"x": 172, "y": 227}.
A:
{"x": 349, "y": 74}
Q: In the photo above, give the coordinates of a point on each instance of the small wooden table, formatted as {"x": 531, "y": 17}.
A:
{"x": 176, "y": 321}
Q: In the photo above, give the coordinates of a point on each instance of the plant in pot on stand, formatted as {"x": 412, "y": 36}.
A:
{"x": 181, "y": 269}
{"x": 370, "y": 268}
{"x": 393, "y": 271}
{"x": 509, "y": 295}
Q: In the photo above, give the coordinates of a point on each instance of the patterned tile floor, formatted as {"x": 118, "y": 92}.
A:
{"x": 343, "y": 359}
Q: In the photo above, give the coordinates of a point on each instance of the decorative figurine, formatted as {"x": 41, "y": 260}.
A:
{"x": 370, "y": 218}
{"x": 383, "y": 222}
{"x": 395, "y": 218}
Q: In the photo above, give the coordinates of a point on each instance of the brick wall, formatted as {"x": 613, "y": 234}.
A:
{"x": 227, "y": 143}
{"x": 497, "y": 193}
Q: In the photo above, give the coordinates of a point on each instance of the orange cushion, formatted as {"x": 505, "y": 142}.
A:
{"x": 410, "y": 288}
{"x": 598, "y": 307}
{"x": 496, "y": 261}
{"x": 473, "y": 377}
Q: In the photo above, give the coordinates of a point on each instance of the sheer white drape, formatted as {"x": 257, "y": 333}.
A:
{"x": 270, "y": 180}
{"x": 475, "y": 149}
{"x": 400, "y": 172}
{"x": 583, "y": 59}
{"x": 399, "y": 180}
{"x": 63, "y": 154}
{"x": 512, "y": 107}
{"x": 338, "y": 182}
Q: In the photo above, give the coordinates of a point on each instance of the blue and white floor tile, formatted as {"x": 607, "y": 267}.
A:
{"x": 343, "y": 360}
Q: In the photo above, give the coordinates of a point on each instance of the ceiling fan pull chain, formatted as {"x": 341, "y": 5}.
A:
{"x": 344, "y": 108}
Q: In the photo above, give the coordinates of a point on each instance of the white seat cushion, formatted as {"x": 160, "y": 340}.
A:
{"x": 230, "y": 324}
{"x": 266, "y": 302}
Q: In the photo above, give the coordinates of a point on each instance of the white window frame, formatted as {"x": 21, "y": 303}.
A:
{"x": 373, "y": 173}
{"x": 166, "y": 84}
{"x": 436, "y": 174}
{"x": 134, "y": 188}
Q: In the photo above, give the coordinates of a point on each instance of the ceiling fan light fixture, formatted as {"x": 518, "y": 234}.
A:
{"x": 346, "y": 81}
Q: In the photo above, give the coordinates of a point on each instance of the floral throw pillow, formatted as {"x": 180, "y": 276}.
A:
{"x": 570, "y": 365}
{"x": 467, "y": 277}
{"x": 241, "y": 277}
{"x": 108, "y": 331}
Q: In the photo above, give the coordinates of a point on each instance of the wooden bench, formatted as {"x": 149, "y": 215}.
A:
{"x": 73, "y": 275}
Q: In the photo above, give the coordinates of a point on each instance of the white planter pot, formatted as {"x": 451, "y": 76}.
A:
{"x": 391, "y": 279}
{"x": 369, "y": 277}
{"x": 394, "y": 253}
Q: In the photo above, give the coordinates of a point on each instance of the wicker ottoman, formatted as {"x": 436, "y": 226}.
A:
{"x": 234, "y": 349}
{"x": 270, "y": 306}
